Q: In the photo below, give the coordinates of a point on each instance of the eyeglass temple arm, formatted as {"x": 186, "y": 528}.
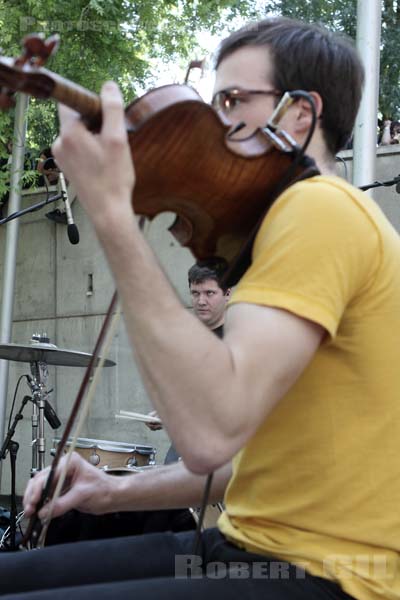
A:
{"x": 285, "y": 102}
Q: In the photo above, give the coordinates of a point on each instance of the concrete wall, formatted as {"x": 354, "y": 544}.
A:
{"x": 53, "y": 295}
{"x": 388, "y": 167}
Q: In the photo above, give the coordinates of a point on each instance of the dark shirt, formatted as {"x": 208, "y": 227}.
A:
{"x": 219, "y": 331}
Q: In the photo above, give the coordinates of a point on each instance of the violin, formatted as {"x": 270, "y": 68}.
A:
{"x": 188, "y": 160}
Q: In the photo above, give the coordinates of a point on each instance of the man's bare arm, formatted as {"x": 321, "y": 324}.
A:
{"x": 93, "y": 491}
{"x": 211, "y": 394}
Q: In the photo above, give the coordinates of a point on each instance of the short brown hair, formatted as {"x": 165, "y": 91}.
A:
{"x": 311, "y": 58}
{"x": 210, "y": 268}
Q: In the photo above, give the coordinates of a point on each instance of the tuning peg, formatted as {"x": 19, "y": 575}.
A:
{"x": 194, "y": 64}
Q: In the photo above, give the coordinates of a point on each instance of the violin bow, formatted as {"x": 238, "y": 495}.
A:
{"x": 33, "y": 535}
{"x": 36, "y": 531}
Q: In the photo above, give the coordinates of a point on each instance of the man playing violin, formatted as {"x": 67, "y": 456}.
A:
{"x": 301, "y": 395}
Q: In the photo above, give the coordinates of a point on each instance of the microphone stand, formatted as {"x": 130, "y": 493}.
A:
{"x": 13, "y": 447}
{"x": 32, "y": 208}
{"x": 395, "y": 181}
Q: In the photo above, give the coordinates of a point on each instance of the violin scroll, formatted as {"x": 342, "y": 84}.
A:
{"x": 37, "y": 50}
{"x": 20, "y": 74}
{"x": 25, "y": 74}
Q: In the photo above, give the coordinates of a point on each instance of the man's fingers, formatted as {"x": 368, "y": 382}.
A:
{"x": 34, "y": 490}
{"x": 63, "y": 504}
{"x": 67, "y": 117}
{"x": 113, "y": 110}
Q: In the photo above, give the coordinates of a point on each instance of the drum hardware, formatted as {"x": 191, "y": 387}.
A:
{"x": 37, "y": 384}
{"x": 40, "y": 353}
{"x": 211, "y": 515}
{"x": 128, "y": 470}
{"x": 112, "y": 456}
{"x": 94, "y": 459}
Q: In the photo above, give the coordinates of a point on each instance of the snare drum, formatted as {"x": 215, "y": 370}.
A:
{"x": 109, "y": 455}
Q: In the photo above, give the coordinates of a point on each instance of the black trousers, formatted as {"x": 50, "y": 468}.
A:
{"x": 156, "y": 566}
{"x": 76, "y": 526}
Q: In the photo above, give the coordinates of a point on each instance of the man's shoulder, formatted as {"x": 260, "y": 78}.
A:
{"x": 318, "y": 213}
{"x": 324, "y": 186}
{"x": 320, "y": 196}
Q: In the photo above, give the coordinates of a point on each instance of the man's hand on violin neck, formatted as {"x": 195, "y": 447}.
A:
{"x": 99, "y": 165}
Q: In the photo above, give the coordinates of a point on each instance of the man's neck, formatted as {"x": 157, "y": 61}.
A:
{"x": 219, "y": 324}
{"x": 317, "y": 149}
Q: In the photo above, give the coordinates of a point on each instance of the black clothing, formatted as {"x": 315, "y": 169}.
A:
{"x": 157, "y": 567}
{"x": 219, "y": 331}
{"x": 75, "y": 526}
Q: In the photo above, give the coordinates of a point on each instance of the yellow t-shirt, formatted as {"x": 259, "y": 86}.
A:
{"x": 319, "y": 483}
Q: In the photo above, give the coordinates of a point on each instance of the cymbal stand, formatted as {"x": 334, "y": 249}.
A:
{"x": 12, "y": 446}
{"x": 37, "y": 385}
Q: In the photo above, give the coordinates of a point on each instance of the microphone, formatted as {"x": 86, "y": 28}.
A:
{"x": 72, "y": 230}
{"x": 51, "y": 415}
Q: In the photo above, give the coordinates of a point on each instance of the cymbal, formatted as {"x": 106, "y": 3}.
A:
{"x": 48, "y": 353}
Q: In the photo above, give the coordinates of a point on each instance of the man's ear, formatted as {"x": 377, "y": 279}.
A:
{"x": 228, "y": 293}
{"x": 304, "y": 113}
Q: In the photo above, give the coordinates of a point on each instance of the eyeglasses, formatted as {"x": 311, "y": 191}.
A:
{"x": 226, "y": 100}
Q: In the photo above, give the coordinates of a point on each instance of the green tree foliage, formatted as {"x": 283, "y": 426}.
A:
{"x": 341, "y": 15}
{"x": 390, "y": 60}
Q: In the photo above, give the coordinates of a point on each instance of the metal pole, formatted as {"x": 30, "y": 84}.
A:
{"x": 365, "y": 133}
{"x": 14, "y": 204}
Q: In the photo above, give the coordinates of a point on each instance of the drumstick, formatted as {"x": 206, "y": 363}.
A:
{"x": 125, "y": 414}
